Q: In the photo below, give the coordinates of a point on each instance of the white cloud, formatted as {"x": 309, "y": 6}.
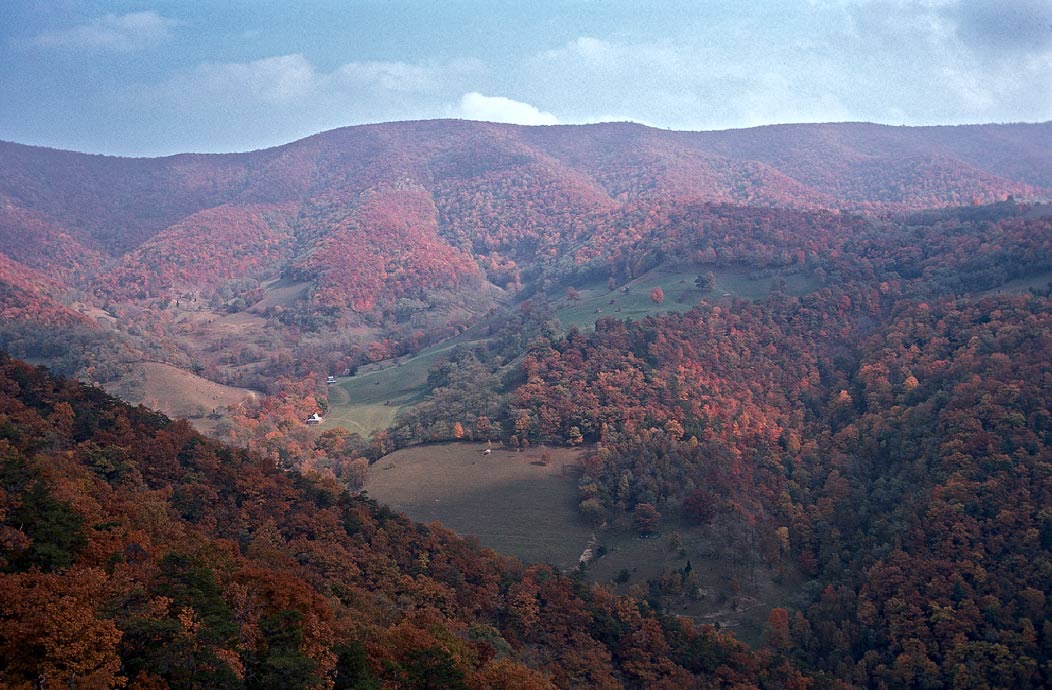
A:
{"x": 277, "y": 79}
{"x": 475, "y": 106}
{"x": 292, "y": 78}
{"x": 276, "y": 99}
{"x": 893, "y": 61}
{"x": 1005, "y": 26}
{"x": 667, "y": 84}
{"x": 121, "y": 33}
{"x": 896, "y": 61}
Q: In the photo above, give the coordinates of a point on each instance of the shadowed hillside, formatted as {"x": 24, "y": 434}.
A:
{"x": 134, "y": 552}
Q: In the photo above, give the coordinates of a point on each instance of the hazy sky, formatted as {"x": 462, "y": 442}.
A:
{"x": 164, "y": 76}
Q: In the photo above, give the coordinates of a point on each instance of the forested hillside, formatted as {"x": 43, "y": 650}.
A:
{"x": 419, "y": 229}
{"x": 78, "y": 215}
{"x": 134, "y": 552}
{"x": 826, "y": 345}
{"x": 887, "y": 434}
{"x": 908, "y": 474}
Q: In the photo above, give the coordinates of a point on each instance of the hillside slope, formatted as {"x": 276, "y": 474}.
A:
{"x": 105, "y": 207}
{"x": 135, "y": 553}
{"x": 452, "y": 202}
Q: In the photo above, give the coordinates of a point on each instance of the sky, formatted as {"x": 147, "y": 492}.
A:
{"x": 156, "y": 77}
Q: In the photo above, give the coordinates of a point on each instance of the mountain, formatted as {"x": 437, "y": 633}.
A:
{"x": 28, "y": 295}
{"x": 95, "y": 220}
{"x": 362, "y": 243}
{"x": 459, "y": 204}
{"x": 883, "y": 433}
{"x": 816, "y": 355}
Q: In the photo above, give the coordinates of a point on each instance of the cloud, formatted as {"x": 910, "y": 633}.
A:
{"x": 121, "y": 33}
{"x": 279, "y": 79}
{"x": 953, "y": 61}
{"x": 272, "y": 100}
{"x": 892, "y": 61}
{"x": 653, "y": 81}
{"x": 715, "y": 81}
{"x": 409, "y": 77}
{"x": 475, "y": 106}
{"x": 293, "y": 78}
{"x": 1014, "y": 25}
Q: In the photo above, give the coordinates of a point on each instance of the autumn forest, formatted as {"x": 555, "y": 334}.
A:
{"x": 826, "y": 347}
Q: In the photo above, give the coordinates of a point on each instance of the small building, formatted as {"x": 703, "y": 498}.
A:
{"x": 331, "y": 380}
{"x": 315, "y": 419}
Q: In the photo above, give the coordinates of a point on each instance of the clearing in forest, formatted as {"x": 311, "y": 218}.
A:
{"x": 372, "y": 399}
{"x": 516, "y": 505}
{"x": 509, "y": 500}
{"x": 596, "y": 300}
{"x": 175, "y": 392}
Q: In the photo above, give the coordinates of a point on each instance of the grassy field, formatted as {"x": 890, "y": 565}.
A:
{"x": 677, "y": 282}
{"x": 370, "y": 401}
{"x": 280, "y": 293}
{"x": 1038, "y": 281}
{"x": 176, "y": 393}
{"x": 516, "y": 506}
{"x": 507, "y": 499}
{"x": 736, "y": 594}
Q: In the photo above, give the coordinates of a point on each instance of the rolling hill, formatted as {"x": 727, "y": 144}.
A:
{"x": 406, "y": 233}
{"x": 819, "y": 350}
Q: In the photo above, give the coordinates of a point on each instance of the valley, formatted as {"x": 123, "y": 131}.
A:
{"x": 556, "y": 345}
{"x": 788, "y": 399}
{"x": 372, "y": 399}
{"x": 513, "y": 502}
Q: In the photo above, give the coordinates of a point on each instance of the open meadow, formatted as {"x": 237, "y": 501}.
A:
{"x": 509, "y": 500}
{"x": 717, "y": 579}
{"x": 177, "y": 393}
{"x": 596, "y": 300}
{"x": 515, "y": 505}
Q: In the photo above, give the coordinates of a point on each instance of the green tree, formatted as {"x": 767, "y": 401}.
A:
{"x": 706, "y": 281}
{"x": 282, "y": 666}
{"x": 55, "y": 530}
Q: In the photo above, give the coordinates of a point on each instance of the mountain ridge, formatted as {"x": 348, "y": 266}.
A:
{"x": 530, "y": 180}
{"x": 561, "y": 126}
{"x": 483, "y": 210}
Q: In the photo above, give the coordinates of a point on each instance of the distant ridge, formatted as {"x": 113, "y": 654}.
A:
{"x": 136, "y": 227}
